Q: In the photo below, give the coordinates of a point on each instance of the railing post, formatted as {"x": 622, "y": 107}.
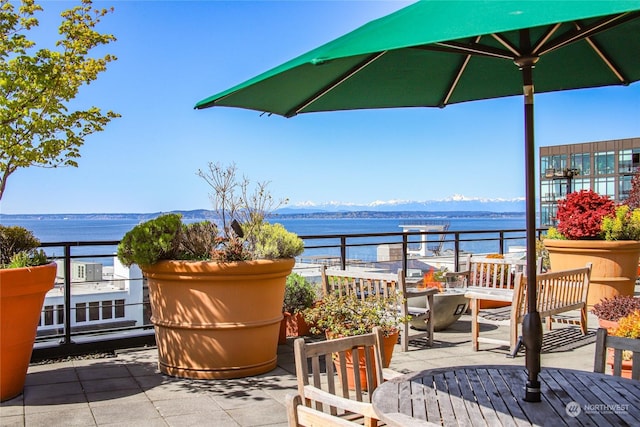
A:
{"x": 67, "y": 295}
{"x": 456, "y": 251}
{"x": 343, "y": 252}
{"x": 405, "y": 248}
{"x": 501, "y": 243}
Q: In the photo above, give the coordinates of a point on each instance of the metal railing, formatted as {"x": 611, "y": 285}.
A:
{"x": 336, "y": 249}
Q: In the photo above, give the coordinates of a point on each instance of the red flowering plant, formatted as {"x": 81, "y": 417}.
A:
{"x": 580, "y": 215}
{"x": 585, "y": 215}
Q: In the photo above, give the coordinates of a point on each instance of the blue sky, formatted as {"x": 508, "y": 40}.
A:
{"x": 172, "y": 54}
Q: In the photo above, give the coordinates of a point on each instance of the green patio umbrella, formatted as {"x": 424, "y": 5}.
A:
{"x": 434, "y": 53}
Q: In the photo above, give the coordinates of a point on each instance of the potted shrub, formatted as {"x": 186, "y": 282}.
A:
{"x": 299, "y": 294}
{"x": 591, "y": 228}
{"x": 628, "y": 327}
{"x": 216, "y": 292}
{"x": 25, "y": 277}
{"x": 345, "y": 315}
{"x": 610, "y": 310}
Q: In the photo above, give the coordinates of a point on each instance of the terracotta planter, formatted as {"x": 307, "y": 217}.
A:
{"x": 22, "y": 292}
{"x": 614, "y": 264}
{"x": 217, "y": 320}
{"x": 388, "y": 345}
{"x": 607, "y": 324}
{"x": 627, "y": 365}
{"x": 293, "y": 325}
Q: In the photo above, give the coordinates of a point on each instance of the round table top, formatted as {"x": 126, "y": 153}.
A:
{"x": 493, "y": 395}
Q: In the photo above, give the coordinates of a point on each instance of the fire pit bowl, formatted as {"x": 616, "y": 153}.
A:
{"x": 448, "y": 307}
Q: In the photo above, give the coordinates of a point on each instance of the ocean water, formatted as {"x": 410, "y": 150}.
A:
{"x": 83, "y": 230}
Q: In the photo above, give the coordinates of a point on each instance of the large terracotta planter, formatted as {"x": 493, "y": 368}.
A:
{"x": 217, "y": 320}
{"x": 614, "y": 264}
{"x": 22, "y": 292}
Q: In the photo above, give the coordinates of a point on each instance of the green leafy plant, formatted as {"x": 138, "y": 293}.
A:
{"x": 19, "y": 248}
{"x": 273, "y": 241}
{"x": 347, "y": 315}
{"x": 299, "y": 294}
{"x": 543, "y": 253}
{"x": 628, "y": 327}
{"x": 244, "y": 235}
{"x": 624, "y": 224}
{"x": 151, "y": 241}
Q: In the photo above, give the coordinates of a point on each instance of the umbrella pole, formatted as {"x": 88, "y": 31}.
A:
{"x": 532, "y": 324}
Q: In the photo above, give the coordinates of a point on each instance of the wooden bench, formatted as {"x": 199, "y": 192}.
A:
{"x": 557, "y": 292}
{"x": 365, "y": 283}
{"x": 484, "y": 274}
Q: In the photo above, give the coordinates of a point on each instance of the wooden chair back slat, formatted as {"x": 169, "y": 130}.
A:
{"x": 606, "y": 344}
{"x": 324, "y": 386}
{"x": 301, "y": 416}
{"x": 494, "y": 273}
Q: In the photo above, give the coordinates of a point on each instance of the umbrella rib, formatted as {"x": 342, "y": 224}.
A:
{"x": 337, "y": 82}
{"x": 456, "y": 79}
{"x": 606, "y": 59}
{"x": 470, "y": 49}
{"x": 545, "y": 37}
{"x": 504, "y": 42}
{"x": 588, "y": 31}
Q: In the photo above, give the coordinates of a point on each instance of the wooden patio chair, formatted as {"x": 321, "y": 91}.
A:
{"x": 604, "y": 342}
{"x": 323, "y": 385}
{"x": 370, "y": 284}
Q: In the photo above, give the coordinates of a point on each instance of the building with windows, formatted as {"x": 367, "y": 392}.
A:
{"x": 605, "y": 167}
{"x": 101, "y": 297}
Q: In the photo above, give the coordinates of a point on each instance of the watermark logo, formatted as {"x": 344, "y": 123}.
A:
{"x": 573, "y": 409}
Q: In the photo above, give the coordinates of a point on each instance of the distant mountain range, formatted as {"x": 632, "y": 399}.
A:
{"x": 456, "y": 203}
{"x": 455, "y": 207}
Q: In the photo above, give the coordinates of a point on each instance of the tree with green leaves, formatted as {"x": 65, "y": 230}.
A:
{"x": 38, "y": 124}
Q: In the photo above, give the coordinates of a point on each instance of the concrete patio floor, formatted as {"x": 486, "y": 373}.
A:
{"x": 128, "y": 390}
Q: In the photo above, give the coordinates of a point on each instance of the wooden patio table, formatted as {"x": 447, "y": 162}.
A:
{"x": 492, "y": 395}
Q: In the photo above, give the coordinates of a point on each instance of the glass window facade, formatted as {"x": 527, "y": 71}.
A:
{"x": 605, "y": 186}
{"x": 581, "y": 184}
{"x": 604, "y": 163}
{"x": 628, "y": 160}
{"x": 625, "y": 187}
{"x": 553, "y": 164}
{"x": 581, "y": 162}
{"x": 606, "y": 167}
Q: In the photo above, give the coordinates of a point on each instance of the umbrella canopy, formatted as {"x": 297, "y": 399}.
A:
{"x": 434, "y": 53}
{"x": 405, "y": 60}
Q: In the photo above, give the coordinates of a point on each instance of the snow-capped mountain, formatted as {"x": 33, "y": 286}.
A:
{"x": 456, "y": 202}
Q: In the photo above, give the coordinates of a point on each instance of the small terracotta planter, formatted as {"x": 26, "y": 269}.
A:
{"x": 607, "y": 324}
{"x": 627, "y": 365}
{"x": 388, "y": 344}
{"x": 22, "y": 292}
{"x": 293, "y": 325}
